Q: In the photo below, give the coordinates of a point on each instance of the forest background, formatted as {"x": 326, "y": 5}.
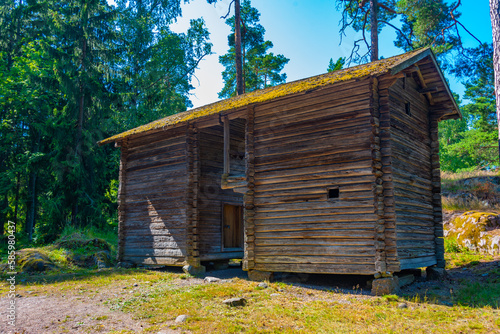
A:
{"x": 75, "y": 72}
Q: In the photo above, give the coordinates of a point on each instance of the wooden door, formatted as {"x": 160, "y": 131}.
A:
{"x": 232, "y": 226}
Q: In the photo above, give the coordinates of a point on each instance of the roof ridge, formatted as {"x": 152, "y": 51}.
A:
{"x": 378, "y": 67}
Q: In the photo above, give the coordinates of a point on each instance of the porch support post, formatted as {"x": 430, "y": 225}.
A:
{"x": 227, "y": 142}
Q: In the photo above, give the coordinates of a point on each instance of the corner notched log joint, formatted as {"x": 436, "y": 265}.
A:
{"x": 378, "y": 191}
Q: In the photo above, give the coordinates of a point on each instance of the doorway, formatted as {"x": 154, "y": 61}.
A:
{"x": 232, "y": 226}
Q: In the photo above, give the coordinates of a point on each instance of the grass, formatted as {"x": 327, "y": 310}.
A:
{"x": 157, "y": 298}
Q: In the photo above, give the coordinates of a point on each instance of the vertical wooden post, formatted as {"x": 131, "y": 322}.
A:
{"x": 436, "y": 190}
{"x": 121, "y": 200}
{"x": 248, "y": 198}
{"x": 227, "y": 143}
{"x": 193, "y": 174}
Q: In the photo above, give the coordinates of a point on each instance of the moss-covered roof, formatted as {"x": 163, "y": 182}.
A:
{"x": 371, "y": 69}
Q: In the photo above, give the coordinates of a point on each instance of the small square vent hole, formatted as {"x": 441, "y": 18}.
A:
{"x": 333, "y": 193}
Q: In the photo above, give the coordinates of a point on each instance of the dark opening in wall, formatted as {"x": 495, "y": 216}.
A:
{"x": 408, "y": 108}
{"x": 333, "y": 193}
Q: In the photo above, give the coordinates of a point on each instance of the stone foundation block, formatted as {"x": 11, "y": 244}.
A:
{"x": 385, "y": 286}
{"x": 195, "y": 271}
{"x": 256, "y": 275}
{"x": 435, "y": 274}
{"x": 406, "y": 280}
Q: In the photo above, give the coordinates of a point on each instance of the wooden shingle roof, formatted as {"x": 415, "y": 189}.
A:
{"x": 392, "y": 65}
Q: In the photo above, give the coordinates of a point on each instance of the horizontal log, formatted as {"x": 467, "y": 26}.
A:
{"x": 311, "y": 224}
{"x": 315, "y": 250}
{"x": 163, "y": 153}
{"x": 418, "y": 262}
{"x": 158, "y": 164}
{"x": 317, "y": 205}
{"x": 302, "y": 259}
{"x": 149, "y": 244}
{"x": 316, "y": 99}
{"x": 312, "y": 111}
{"x": 318, "y": 268}
{"x": 315, "y": 242}
{"x": 338, "y": 121}
{"x": 311, "y": 158}
{"x": 360, "y": 140}
{"x": 128, "y": 251}
{"x": 163, "y": 261}
{"x": 345, "y": 173}
{"x": 221, "y": 256}
{"x": 318, "y": 234}
{"x": 298, "y": 214}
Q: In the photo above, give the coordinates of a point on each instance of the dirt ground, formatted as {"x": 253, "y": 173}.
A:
{"x": 75, "y": 312}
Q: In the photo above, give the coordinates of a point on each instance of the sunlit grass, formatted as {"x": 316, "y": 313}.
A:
{"x": 157, "y": 298}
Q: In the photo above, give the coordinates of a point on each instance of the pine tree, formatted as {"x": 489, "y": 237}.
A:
{"x": 423, "y": 23}
{"x": 261, "y": 68}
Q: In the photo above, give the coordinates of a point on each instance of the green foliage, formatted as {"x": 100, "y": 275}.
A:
{"x": 472, "y": 142}
{"x": 261, "y": 68}
{"x": 478, "y": 294}
{"x": 156, "y": 64}
{"x": 72, "y": 73}
{"x": 423, "y": 23}
{"x": 335, "y": 66}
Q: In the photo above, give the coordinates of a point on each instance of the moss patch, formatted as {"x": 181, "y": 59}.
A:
{"x": 32, "y": 260}
{"x": 358, "y": 72}
{"x": 476, "y": 230}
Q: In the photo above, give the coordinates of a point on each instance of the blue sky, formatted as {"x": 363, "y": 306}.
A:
{"x": 307, "y": 32}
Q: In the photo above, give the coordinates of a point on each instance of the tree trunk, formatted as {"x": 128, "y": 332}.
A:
{"x": 30, "y": 212}
{"x": 374, "y": 29}
{"x": 4, "y": 203}
{"x": 495, "y": 26}
{"x": 16, "y": 199}
{"x": 237, "y": 48}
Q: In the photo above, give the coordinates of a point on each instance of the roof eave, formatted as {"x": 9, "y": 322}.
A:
{"x": 415, "y": 59}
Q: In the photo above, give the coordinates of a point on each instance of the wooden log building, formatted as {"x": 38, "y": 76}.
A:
{"x": 338, "y": 173}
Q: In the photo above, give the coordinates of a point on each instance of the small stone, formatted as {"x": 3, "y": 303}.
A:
{"x": 263, "y": 285}
{"x": 377, "y": 275}
{"x": 402, "y": 305}
{"x": 211, "y": 279}
{"x": 275, "y": 295}
{"x": 124, "y": 287}
{"x": 125, "y": 265}
{"x": 235, "y": 302}
{"x": 135, "y": 284}
{"x": 181, "y": 318}
{"x": 485, "y": 274}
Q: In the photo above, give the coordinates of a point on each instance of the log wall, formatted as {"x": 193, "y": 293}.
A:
{"x": 210, "y": 195}
{"x": 412, "y": 174}
{"x": 303, "y": 146}
{"x": 153, "y": 201}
